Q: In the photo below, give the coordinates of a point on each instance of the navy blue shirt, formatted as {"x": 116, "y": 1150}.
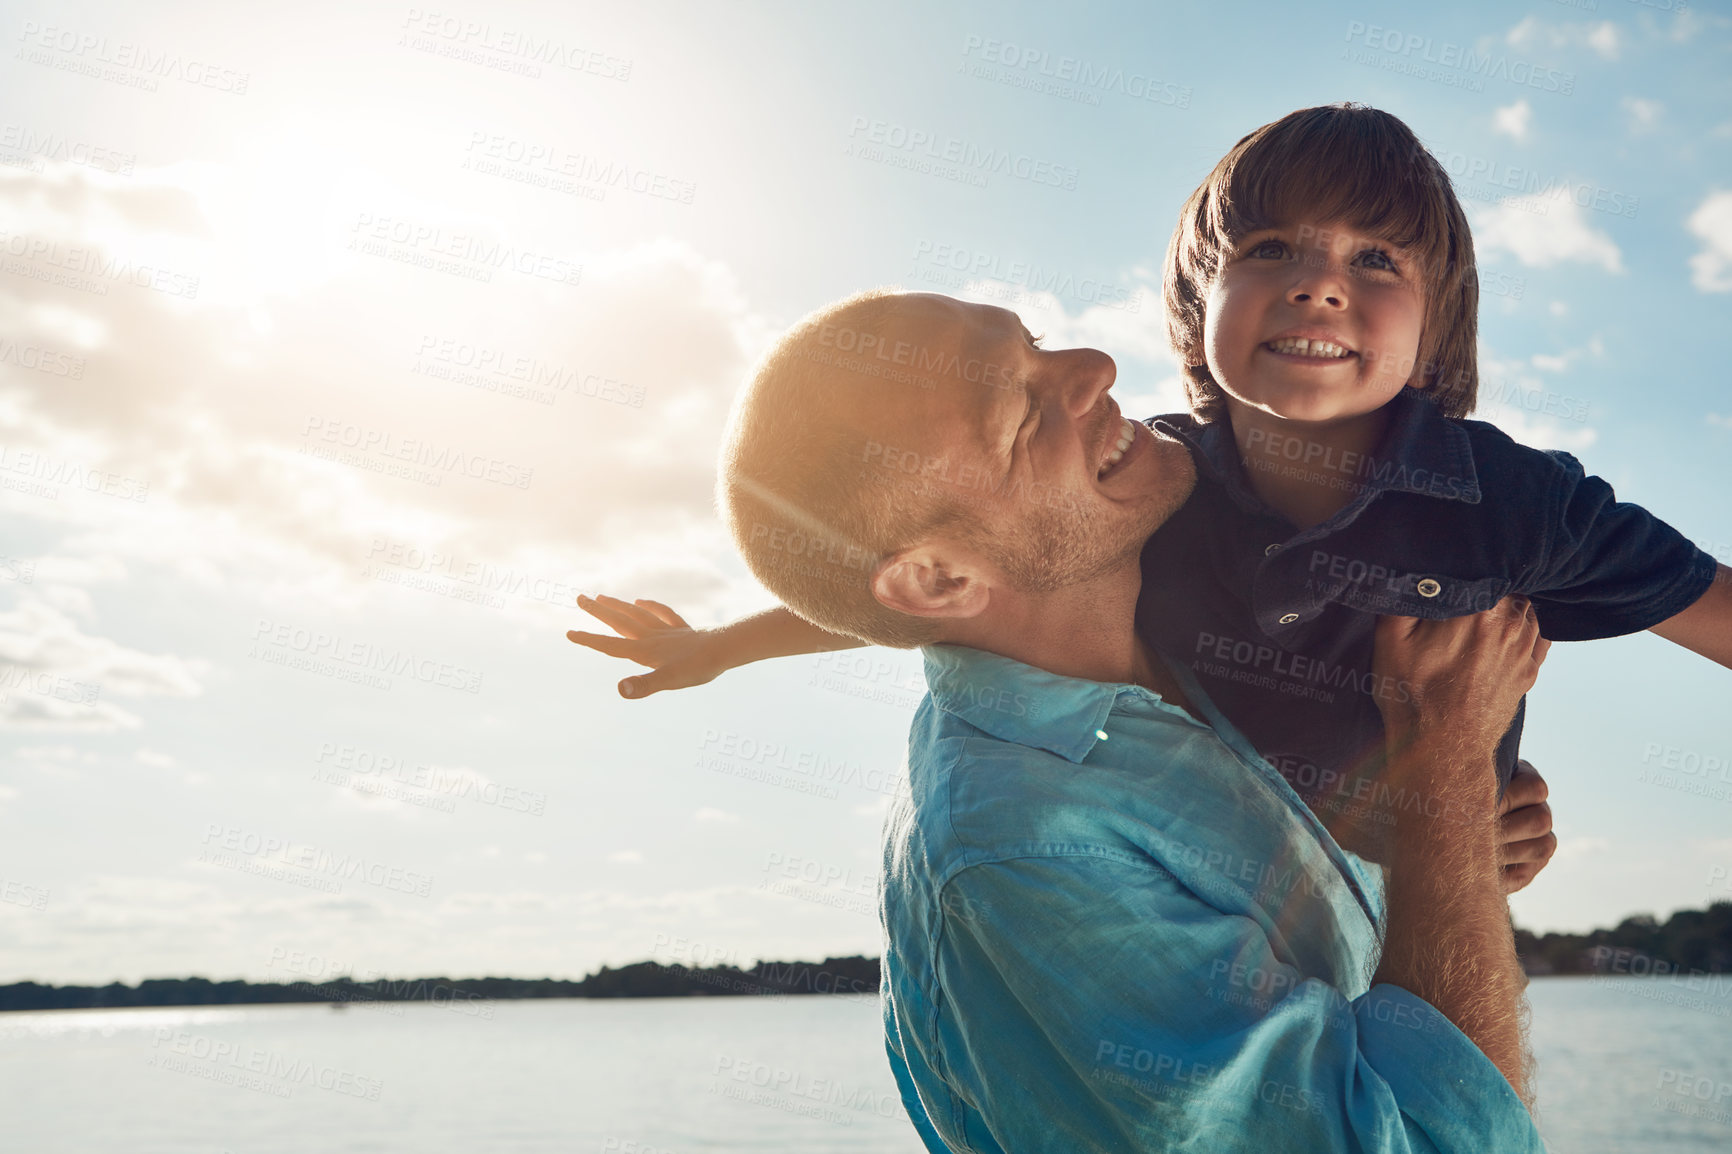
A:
{"x": 1276, "y": 623}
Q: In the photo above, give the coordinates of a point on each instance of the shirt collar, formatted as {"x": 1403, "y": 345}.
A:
{"x": 1423, "y": 452}
{"x": 1016, "y": 702}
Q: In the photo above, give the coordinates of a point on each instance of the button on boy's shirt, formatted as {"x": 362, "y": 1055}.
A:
{"x": 1277, "y": 623}
{"x": 1111, "y": 927}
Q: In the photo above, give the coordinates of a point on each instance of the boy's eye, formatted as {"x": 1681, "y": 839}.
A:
{"x": 1267, "y": 250}
{"x": 1379, "y": 260}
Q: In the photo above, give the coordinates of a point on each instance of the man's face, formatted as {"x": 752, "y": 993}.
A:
{"x": 1287, "y": 291}
{"x": 1059, "y": 486}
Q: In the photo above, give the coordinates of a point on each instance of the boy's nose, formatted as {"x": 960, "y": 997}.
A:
{"x": 1318, "y": 283}
{"x": 1318, "y": 289}
{"x": 1331, "y": 299}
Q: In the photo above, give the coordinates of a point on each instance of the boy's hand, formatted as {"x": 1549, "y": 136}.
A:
{"x": 650, "y": 634}
{"x": 1525, "y": 828}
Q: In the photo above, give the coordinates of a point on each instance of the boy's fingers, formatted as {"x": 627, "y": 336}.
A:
{"x": 668, "y": 616}
{"x": 1526, "y": 787}
{"x": 1526, "y": 823}
{"x": 611, "y": 616}
{"x": 645, "y": 684}
{"x": 1533, "y": 850}
{"x": 645, "y": 621}
{"x": 626, "y": 647}
{"x": 1517, "y": 877}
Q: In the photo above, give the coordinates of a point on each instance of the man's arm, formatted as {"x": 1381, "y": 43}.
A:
{"x": 1447, "y": 938}
{"x": 1706, "y": 626}
{"x": 652, "y": 634}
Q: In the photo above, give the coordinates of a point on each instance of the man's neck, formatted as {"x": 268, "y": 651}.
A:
{"x": 1087, "y": 631}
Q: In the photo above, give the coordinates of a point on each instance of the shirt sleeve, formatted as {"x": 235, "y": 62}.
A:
{"x": 1097, "y": 1004}
{"x": 1610, "y": 567}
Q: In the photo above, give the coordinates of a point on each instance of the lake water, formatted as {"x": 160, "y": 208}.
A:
{"x": 682, "y": 1076}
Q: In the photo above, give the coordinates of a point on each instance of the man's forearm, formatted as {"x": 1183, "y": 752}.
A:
{"x": 1448, "y": 937}
{"x": 778, "y": 632}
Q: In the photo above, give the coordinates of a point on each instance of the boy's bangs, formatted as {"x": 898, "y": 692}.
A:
{"x": 1336, "y": 168}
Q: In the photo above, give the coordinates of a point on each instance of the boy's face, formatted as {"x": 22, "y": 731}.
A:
{"x": 1315, "y": 321}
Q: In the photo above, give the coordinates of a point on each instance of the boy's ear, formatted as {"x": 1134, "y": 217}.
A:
{"x": 933, "y": 579}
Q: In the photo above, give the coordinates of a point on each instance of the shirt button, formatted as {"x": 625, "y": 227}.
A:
{"x": 1429, "y": 588}
{"x": 1289, "y": 618}
{"x": 1271, "y": 549}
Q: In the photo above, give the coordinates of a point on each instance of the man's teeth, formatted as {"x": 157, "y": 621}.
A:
{"x": 1127, "y": 434}
{"x": 1304, "y": 348}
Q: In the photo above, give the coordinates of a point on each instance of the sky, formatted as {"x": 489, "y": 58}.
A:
{"x": 342, "y": 345}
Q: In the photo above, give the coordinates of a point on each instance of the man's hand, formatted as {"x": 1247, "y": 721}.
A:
{"x": 1457, "y": 679}
{"x": 1526, "y": 839}
{"x": 651, "y": 634}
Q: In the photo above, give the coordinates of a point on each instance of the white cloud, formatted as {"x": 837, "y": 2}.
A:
{"x": 711, "y": 814}
{"x": 209, "y": 411}
{"x": 1711, "y": 269}
{"x": 56, "y": 676}
{"x": 1604, "y": 38}
{"x": 1644, "y": 114}
{"x": 1531, "y": 409}
{"x": 1541, "y": 231}
{"x": 1513, "y": 120}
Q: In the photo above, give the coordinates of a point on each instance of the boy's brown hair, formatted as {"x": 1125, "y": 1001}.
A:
{"x": 1341, "y": 162}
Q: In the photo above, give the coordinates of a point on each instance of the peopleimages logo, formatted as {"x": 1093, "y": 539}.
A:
{"x": 870, "y": 138}
{"x": 272, "y": 638}
{"x": 1413, "y": 50}
{"x": 1067, "y": 77}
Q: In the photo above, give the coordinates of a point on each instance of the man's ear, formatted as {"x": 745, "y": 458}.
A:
{"x": 933, "y": 579}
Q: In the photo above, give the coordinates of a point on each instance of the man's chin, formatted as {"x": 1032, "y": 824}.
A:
{"x": 1172, "y": 479}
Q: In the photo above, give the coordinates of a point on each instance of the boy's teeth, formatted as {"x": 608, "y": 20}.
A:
{"x": 1308, "y": 348}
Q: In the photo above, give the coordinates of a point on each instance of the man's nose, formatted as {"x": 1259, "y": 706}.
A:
{"x": 1088, "y": 374}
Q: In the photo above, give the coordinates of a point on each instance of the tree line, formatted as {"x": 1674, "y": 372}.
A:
{"x": 850, "y": 975}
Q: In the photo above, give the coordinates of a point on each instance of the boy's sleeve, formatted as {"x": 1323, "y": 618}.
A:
{"x": 1609, "y": 567}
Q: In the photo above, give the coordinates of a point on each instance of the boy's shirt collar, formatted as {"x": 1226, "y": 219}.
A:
{"x": 1423, "y": 452}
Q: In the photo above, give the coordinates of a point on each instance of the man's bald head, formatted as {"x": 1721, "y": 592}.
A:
{"x": 802, "y": 485}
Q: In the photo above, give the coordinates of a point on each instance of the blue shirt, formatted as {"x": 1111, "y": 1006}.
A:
{"x": 1112, "y": 928}
{"x": 1276, "y": 623}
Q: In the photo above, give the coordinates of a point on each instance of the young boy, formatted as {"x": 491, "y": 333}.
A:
{"x": 1321, "y": 294}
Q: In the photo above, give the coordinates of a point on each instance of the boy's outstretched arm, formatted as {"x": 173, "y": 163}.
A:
{"x": 679, "y": 656}
{"x": 1705, "y": 627}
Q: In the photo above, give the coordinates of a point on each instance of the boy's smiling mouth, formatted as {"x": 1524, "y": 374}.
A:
{"x": 1309, "y": 348}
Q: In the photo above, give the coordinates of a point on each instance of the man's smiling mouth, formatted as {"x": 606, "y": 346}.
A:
{"x": 1301, "y": 347}
{"x": 1127, "y": 435}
